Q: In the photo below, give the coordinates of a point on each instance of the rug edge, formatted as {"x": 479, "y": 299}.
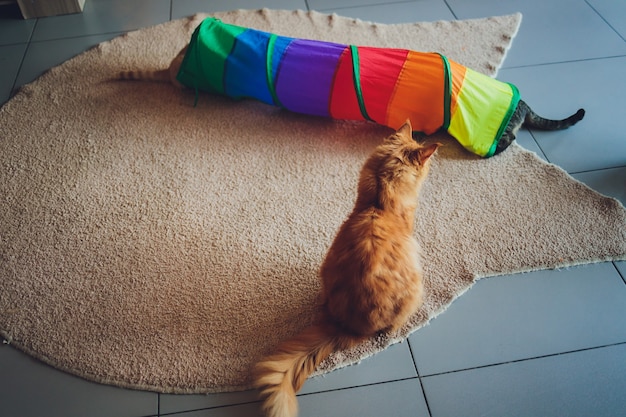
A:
{"x": 519, "y": 17}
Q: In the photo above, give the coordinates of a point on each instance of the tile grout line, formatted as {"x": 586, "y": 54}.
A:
{"x": 430, "y": 413}
{"x": 619, "y": 272}
{"x": 605, "y": 21}
{"x": 350, "y": 7}
{"x": 193, "y": 410}
{"x": 19, "y": 68}
{"x": 450, "y": 8}
{"x": 371, "y": 384}
{"x": 596, "y": 170}
{"x": 419, "y": 377}
{"x": 569, "y": 61}
{"x": 532, "y": 135}
{"x": 551, "y": 355}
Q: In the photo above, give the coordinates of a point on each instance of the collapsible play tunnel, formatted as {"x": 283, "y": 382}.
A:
{"x": 384, "y": 85}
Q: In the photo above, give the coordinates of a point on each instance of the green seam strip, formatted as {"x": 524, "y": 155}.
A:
{"x": 269, "y": 60}
{"x": 507, "y": 118}
{"x": 447, "y": 92}
{"x": 357, "y": 80}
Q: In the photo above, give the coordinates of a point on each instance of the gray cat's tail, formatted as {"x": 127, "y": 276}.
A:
{"x": 533, "y": 120}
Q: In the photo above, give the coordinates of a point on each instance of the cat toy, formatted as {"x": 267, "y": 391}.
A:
{"x": 383, "y": 85}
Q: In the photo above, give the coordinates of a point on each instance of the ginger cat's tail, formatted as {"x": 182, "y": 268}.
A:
{"x": 167, "y": 75}
{"x": 282, "y": 374}
{"x": 145, "y": 75}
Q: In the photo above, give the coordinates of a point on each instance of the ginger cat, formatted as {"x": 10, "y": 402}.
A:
{"x": 371, "y": 277}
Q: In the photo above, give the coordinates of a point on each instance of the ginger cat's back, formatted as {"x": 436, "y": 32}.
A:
{"x": 373, "y": 283}
{"x": 372, "y": 276}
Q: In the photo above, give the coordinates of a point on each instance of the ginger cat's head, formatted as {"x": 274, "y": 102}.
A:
{"x": 393, "y": 174}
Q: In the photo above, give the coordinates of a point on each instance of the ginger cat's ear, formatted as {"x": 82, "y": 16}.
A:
{"x": 422, "y": 154}
{"x": 406, "y": 130}
{"x": 428, "y": 151}
{"x": 403, "y": 134}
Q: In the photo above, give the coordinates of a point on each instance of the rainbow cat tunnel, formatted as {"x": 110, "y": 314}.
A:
{"x": 383, "y": 85}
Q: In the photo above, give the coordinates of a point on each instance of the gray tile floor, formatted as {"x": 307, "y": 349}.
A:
{"x": 549, "y": 343}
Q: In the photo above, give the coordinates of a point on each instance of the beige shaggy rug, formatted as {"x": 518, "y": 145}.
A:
{"x": 150, "y": 244}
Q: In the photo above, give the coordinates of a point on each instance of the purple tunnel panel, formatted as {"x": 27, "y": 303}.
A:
{"x": 305, "y": 76}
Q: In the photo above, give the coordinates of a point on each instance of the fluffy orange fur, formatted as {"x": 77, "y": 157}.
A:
{"x": 371, "y": 277}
